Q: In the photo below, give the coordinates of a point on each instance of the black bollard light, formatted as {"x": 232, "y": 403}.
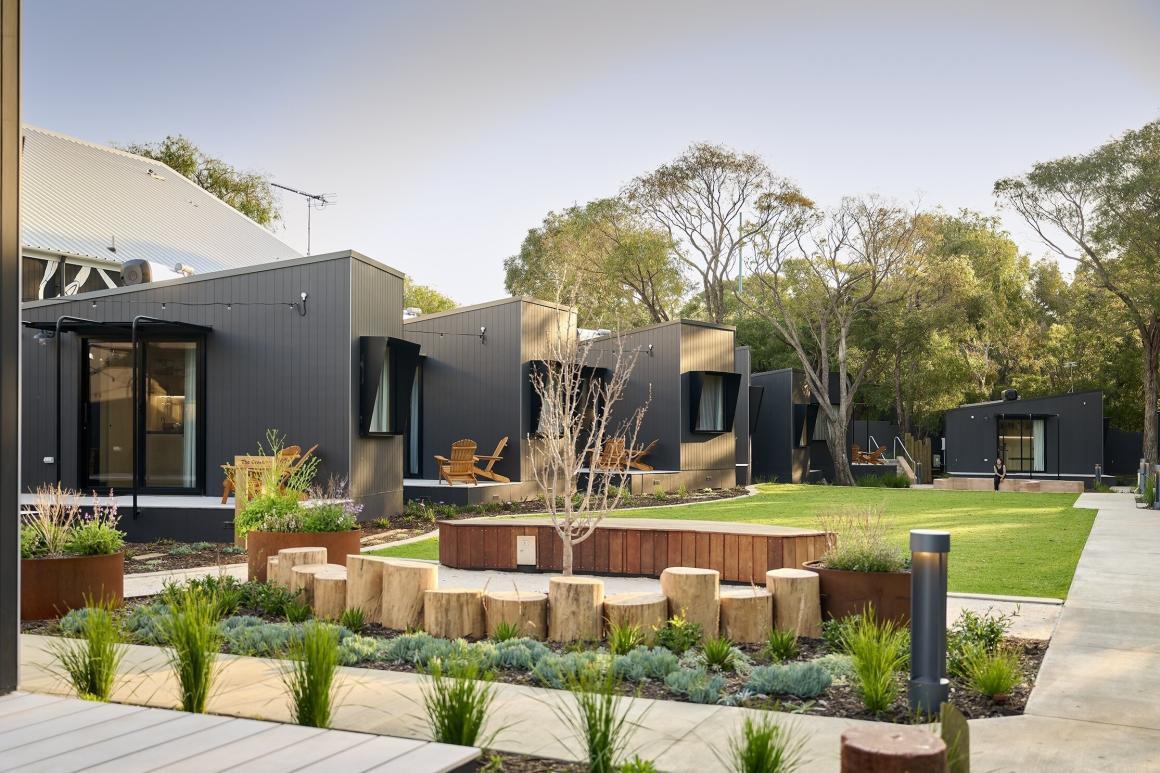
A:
{"x": 929, "y": 688}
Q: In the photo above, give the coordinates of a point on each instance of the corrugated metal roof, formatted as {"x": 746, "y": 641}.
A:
{"x": 78, "y": 197}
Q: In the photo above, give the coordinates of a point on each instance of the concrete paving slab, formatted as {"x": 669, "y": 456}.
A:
{"x": 1112, "y": 629}
{"x": 1030, "y": 743}
{"x": 1112, "y": 686}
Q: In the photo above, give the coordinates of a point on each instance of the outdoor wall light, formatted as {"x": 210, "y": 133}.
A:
{"x": 650, "y": 350}
{"x": 929, "y": 688}
{"x": 482, "y": 334}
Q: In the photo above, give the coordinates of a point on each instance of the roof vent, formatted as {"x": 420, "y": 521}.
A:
{"x": 412, "y": 311}
{"x": 136, "y": 272}
{"x": 1010, "y": 394}
{"x": 154, "y": 175}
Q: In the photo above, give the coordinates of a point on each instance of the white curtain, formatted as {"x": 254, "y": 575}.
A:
{"x": 381, "y": 415}
{"x": 189, "y": 418}
{"x": 711, "y": 412}
{"x": 1037, "y": 445}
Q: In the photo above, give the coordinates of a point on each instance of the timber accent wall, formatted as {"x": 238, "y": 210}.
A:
{"x": 641, "y": 547}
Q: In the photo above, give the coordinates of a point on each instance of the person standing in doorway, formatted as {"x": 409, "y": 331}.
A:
{"x": 1000, "y": 470}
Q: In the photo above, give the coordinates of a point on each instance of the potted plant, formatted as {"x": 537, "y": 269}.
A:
{"x": 861, "y": 568}
{"x": 321, "y": 518}
{"x": 69, "y": 558}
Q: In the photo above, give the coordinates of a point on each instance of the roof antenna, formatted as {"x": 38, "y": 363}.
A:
{"x": 313, "y": 200}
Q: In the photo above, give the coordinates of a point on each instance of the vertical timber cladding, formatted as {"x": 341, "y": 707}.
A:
{"x": 266, "y": 366}
{"x": 741, "y": 422}
{"x": 655, "y": 381}
{"x": 473, "y": 387}
{"x": 711, "y": 457}
{"x": 541, "y": 322}
{"x": 376, "y": 463}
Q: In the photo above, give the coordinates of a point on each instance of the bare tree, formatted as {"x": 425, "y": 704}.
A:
{"x": 819, "y": 277}
{"x": 709, "y": 200}
{"x": 579, "y": 391}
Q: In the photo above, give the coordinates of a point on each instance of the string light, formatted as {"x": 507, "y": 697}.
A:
{"x": 299, "y": 306}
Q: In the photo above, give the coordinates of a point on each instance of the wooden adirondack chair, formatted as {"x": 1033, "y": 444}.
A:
{"x": 612, "y": 454}
{"x": 635, "y": 455}
{"x": 875, "y": 456}
{"x": 486, "y": 471}
{"x": 461, "y": 466}
{"x": 229, "y": 485}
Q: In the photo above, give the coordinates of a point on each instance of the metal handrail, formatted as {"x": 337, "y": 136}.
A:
{"x": 894, "y": 446}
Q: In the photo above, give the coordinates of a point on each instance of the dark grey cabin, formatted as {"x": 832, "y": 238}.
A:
{"x": 226, "y": 356}
{"x": 1061, "y": 436}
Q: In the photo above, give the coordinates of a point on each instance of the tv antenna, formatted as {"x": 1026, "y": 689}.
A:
{"x": 313, "y": 201}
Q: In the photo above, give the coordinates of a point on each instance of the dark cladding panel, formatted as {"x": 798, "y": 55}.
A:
{"x": 772, "y": 437}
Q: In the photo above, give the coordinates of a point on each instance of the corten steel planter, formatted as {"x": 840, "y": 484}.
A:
{"x": 50, "y": 587}
{"x": 847, "y": 593}
{"x": 260, "y": 544}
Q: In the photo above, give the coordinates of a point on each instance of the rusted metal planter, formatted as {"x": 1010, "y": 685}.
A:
{"x": 849, "y": 593}
{"x": 50, "y": 587}
{"x": 260, "y": 544}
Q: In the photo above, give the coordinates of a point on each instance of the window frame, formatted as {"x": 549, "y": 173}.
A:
{"x": 730, "y": 387}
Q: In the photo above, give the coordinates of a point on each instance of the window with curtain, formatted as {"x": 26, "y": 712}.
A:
{"x": 381, "y": 414}
{"x": 1021, "y": 442}
{"x": 711, "y": 410}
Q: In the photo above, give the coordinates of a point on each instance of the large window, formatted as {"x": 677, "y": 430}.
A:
{"x": 1021, "y": 443}
{"x": 167, "y": 429}
{"x": 386, "y": 372}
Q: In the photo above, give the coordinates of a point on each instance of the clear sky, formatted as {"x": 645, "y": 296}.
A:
{"x": 447, "y": 129}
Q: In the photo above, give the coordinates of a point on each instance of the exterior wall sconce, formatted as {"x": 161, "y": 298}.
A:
{"x": 482, "y": 334}
{"x": 928, "y": 688}
{"x": 650, "y": 350}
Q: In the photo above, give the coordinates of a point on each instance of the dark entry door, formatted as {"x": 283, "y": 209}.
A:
{"x": 169, "y": 416}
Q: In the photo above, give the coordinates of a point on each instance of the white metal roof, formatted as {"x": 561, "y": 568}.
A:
{"x": 78, "y": 198}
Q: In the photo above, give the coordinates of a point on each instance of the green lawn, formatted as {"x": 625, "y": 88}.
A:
{"x": 1002, "y": 543}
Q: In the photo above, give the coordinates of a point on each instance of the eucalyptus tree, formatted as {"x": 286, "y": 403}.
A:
{"x": 712, "y": 202}
{"x": 820, "y": 280}
{"x": 1102, "y": 210}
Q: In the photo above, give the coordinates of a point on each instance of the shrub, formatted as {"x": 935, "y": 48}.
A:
{"x": 659, "y": 493}
{"x": 972, "y": 630}
{"x": 57, "y": 527}
{"x": 296, "y": 611}
{"x": 991, "y": 673}
{"x": 558, "y": 671}
{"x": 90, "y": 662}
{"x": 181, "y": 551}
{"x": 839, "y": 667}
{"x": 418, "y": 649}
{"x": 622, "y": 639}
{"x": 597, "y": 719}
{"x": 254, "y": 637}
{"x": 857, "y": 541}
{"x": 696, "y": 684}
{"x": 309, "y": 676}
{"x": 885, "y": 480}
{"x": 521, "y": 653}
{"x": 763, "y": 746}
{"x": 223, "y": 590}
{"x": 457, "y": 699}
{"x": 801, "y": 680}
{"x": 268, "y": 508}
{"x": 781, "y": 645}
{"x": 505, "y": 631}
{"x": 357, "y": 649}
{"x": 644, "y": 663}
{"x": 678, "y": 635}
{"x": 879, "y": 650}
{"x": 269, "y": 599}
{"x": 146, "y": 624}
{"x": 717, "y": 654}
{"x": 683, "y": 491}
{"x": 638, "y": 765}
{"x": 835, "y": 631}
{"x": 353, "y": 619}
{"x": 191, "y": 631}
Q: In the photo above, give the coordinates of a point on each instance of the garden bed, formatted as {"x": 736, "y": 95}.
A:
{"x": 543, "y": 664}
{"x": 165, "y": 555}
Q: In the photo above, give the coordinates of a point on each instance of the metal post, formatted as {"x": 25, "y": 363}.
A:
{"x": 929, "y": 688}
{"x": 138, "y": 447}
{"x": 10, "y": 133}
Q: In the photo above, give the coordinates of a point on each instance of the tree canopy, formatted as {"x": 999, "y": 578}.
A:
{"x": 427, "y": 299}
{"x": 248, "y": 192}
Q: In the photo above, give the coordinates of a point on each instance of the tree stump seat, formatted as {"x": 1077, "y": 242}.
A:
{"x": 454, "y": 613}
{"x": 527, "y": 610}
{"x": 694, "y": 593}
{"x": 647, "y": 611}
{"x": 746, "y": 615}
{"x": 575, "y": 609}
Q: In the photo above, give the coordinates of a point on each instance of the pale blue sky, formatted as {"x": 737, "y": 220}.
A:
{"x": 447, "y": 129}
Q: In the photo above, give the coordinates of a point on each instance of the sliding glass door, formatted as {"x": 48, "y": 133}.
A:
{"x": 169, "y": 416}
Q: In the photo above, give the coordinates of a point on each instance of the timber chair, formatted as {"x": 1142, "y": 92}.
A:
{"x": 486, "y": 471}
{"x": 614, "y": 454}
{"x": 636, "y": 454}
{"x": 229, "y": 485}
{"x": 461, "y": 466}
{"x": 875, "y": 456}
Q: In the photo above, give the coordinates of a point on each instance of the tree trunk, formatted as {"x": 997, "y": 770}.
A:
{"x": 1150, "y": 340}
{"x": 900, "y": 412}
{"x": 566, "y": 566}
{"x": 839, "y": 450}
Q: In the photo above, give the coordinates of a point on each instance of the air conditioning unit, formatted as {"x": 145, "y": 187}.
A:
{"x": 136, "y": 272}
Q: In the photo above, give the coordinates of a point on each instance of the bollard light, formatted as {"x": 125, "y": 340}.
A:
{"x": 929, "y": 688}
